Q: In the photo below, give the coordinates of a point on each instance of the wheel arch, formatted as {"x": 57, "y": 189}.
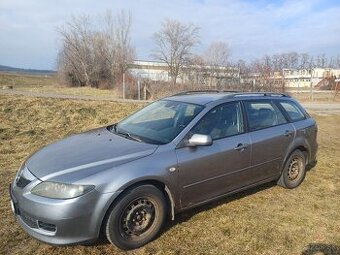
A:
{"x": 158, "y": 184}
{"x": 161, "y": 186}
{"x": 303, "y": 148}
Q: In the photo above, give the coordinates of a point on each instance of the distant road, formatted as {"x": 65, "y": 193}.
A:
{"x": 322, "y": 107}
{"x": 310, "y": 106}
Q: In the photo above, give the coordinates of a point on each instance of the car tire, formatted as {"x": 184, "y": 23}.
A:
{"x": 136, "y": 218}
{"x": 294, "y": 170}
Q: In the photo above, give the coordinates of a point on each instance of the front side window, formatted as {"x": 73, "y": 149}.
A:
{"x": 159, "y": 122}
{"x": 293, "y": 111}
{"x": 222, "y": 121}
{"x": 263, "y": 114}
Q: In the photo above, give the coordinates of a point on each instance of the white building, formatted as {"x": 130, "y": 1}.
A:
{"x": 159, "y": 71}
{"x": 297, "y": 78}
{"x": 155, "y": 71}
{"x": 214, "y": 75}
{"x": 303, "y": 78}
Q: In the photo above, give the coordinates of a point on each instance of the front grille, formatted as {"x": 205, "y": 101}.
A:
{"x": 30, "y": 221}
{"x": 47, "y": 226}
{"x": 22, "y": 182}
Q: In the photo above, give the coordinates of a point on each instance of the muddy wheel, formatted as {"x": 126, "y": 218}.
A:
{"x": 294, "y": 170}
{"x": 136, "y": 218}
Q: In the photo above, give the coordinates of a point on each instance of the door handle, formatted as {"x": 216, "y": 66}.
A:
{"x": 288, "y": 133}
{"x": 241, "y": 146}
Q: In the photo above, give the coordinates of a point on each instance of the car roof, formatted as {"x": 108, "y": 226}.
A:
{"x": 205, "y": 97}
{"x": 201, "y": 99}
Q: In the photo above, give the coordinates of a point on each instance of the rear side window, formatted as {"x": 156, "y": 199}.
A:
{"x": 293, "y": 111}
{"x": 263, "y": 114}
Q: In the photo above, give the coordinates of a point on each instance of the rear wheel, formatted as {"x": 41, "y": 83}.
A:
{"x": 136, "y": 218}
{"x": 294, "y": 170}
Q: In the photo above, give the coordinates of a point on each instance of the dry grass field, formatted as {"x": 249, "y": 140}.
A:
{"x": 264, "y": 220}
{"x": 50, "y": 84}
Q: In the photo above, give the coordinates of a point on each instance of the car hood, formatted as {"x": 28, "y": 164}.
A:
{"x": 95, "y": 149}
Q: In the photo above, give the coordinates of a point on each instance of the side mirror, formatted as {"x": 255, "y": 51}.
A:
{"x": 199, "y": 140}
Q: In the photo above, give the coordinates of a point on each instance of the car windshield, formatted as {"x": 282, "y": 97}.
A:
{"x": 159, "y": 122}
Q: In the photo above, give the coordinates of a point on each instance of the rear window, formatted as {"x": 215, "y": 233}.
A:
{"x": 263, "y": 114}
{"x": 293, "y": 111}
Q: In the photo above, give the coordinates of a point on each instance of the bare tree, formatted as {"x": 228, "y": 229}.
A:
{"x": 293, "y": 60}
{"x": 196, "y": 73}
{"x": 267, "y": 72}
{"x": 337, "y": 62}
{"x": 217, "y": 54}
{"x": 215, "y": 57}
{"x": 74, "y": 59}
{"x": 321, "y": 61}
{"x": 95, "y": 55}
{"x": 245, "y": 82}
{"x": 305, "y": 61}
{"x": 174, "y": 43}
{"x": 117, "y": 31}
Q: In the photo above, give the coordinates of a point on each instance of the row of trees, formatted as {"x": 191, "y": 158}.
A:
{"x": 294, "y": 60}
{"x": 267, "y": 72}
{"x": 98, "y": 54}
{"x": 175, "y": 42}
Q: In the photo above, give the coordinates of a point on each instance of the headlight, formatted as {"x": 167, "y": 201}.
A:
{"x": 18, "y": 174}
{"x": 60, "y": 190}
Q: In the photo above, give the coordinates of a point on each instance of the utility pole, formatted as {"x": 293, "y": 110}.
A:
{"x": 138, "y": 87}
{"x": 124, "y": 85}
{"x": 283, "y": 80}
{"x": 139, "y": 76}
{"x": 311, "y": 85}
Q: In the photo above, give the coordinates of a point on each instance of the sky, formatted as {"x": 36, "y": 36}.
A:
{"x": 29, "y": 38}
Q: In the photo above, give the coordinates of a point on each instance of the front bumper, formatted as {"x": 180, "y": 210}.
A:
{"x": 60, "y": 222}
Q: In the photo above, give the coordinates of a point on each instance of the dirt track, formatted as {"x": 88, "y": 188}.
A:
{"x": 63, "y": 96}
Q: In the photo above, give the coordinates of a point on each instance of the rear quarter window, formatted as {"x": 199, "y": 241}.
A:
{"x": 263, "y": 114}
{"x": 293, "y": 111}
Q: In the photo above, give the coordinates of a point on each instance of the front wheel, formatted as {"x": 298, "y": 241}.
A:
{"x": 294, "y": 170}
{"x": 136, "y": 218}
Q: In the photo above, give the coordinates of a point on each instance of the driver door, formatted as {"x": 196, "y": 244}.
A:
{"x": 206, "y": 172}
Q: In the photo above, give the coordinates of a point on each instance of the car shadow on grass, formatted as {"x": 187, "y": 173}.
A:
{"x": 321, "y": 249}
{"x": 188, "y": 214}
{"x": 311, "y": 166}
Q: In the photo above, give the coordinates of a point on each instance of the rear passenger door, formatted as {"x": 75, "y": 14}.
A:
{"x": 270, "y": 134}
{"x": 305, "y": 127}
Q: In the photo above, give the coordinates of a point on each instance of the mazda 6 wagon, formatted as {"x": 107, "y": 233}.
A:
{"x": 126, "y": 179}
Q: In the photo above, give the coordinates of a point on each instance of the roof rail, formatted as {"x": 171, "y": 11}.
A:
{"x": 233, "y": 93}
{"x": 266, "y": 94}
{"x": 188, "y": 92}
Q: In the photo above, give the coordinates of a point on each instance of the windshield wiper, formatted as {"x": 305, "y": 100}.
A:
{"x": 126, "y": 134}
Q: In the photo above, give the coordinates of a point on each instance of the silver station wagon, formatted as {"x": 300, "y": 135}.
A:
{"x": 179, "y": 152}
